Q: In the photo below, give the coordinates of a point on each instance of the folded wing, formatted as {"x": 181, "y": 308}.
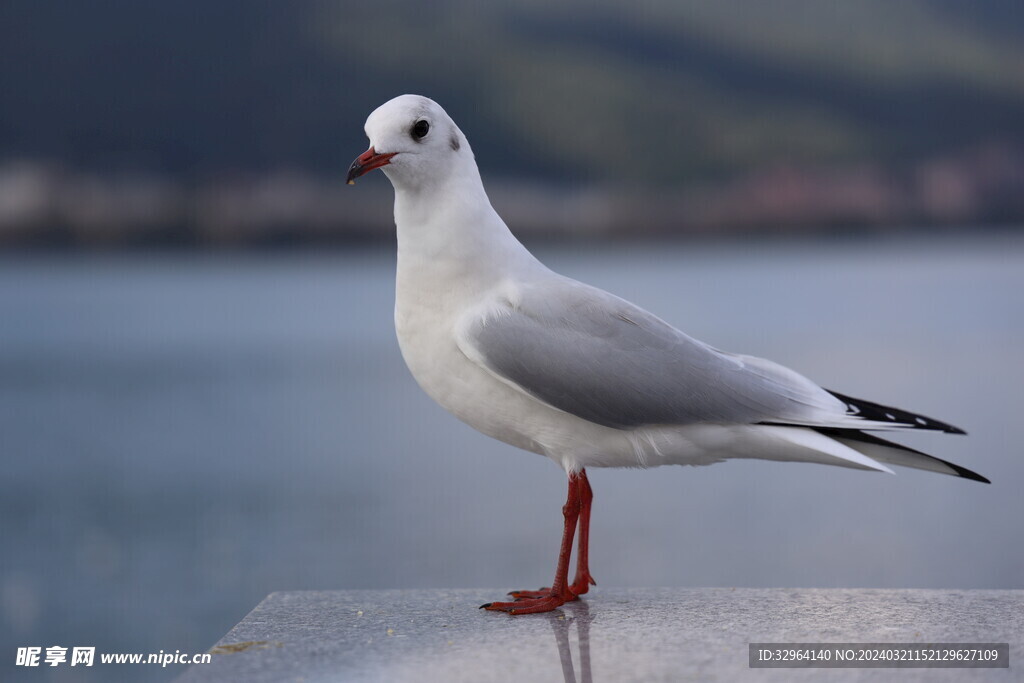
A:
{"x": 603, "y": 359}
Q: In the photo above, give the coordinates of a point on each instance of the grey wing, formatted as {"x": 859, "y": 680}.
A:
{"x": 603, "y": 359}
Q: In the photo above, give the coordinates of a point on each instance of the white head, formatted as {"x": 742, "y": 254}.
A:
{"x": 416, "y": 143}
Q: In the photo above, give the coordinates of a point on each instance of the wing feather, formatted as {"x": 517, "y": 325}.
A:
{"x": 603, "y": 359}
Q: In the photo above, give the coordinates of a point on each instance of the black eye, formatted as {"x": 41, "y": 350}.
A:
{"x": 420, "y": 129}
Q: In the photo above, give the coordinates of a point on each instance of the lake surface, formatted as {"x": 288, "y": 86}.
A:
{"x": 184, "y": 434}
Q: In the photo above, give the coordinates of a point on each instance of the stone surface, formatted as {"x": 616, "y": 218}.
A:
{"x": 612, "y": 635}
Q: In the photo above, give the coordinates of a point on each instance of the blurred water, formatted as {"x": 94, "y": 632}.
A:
{"x": 184, "y": 434}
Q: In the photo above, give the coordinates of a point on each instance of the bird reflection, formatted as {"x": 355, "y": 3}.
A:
{"x": 573, "y": 613}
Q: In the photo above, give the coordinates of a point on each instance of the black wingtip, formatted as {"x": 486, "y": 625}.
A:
{"x": 965, "y": 473}
{"x": 857, "y": 435}
{"x": 876, "y": 412}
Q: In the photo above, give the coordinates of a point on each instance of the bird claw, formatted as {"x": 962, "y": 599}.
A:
{"x": 582, "y": 583}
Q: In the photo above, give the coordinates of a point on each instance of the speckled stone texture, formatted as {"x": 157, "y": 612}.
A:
{"x": 697, "y": 634}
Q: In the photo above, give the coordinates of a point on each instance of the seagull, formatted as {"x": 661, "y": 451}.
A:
{"x": 557, "y": 367}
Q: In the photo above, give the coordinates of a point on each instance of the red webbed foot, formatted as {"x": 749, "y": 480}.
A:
{"x": 529, "y": 605}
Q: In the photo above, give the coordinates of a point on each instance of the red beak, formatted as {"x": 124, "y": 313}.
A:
{"x": 366, "y": 162}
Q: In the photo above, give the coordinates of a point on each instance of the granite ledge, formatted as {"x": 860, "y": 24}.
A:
{"x": 647, "y": 634}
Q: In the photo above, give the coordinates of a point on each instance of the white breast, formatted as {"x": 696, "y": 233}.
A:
{"x": 426, "y": 315}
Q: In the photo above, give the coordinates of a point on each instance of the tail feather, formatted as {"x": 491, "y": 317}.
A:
{"x": 807, "y": 445}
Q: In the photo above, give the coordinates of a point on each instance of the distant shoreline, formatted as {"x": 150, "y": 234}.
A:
{"x": 48, "y": 205}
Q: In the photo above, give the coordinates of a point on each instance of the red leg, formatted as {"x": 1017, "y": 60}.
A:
{"x": 583, "y": 580}
{"x": 581, "y": 584}
{"x": 559, "y": 593}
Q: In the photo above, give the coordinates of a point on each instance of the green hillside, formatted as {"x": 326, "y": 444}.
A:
{"x": 648, "y": 92}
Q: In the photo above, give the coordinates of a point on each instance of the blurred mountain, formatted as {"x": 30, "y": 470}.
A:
{"x": 647, "y": 95}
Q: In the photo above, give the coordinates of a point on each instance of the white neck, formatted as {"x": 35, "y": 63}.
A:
{"x": 447, "y": 224}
